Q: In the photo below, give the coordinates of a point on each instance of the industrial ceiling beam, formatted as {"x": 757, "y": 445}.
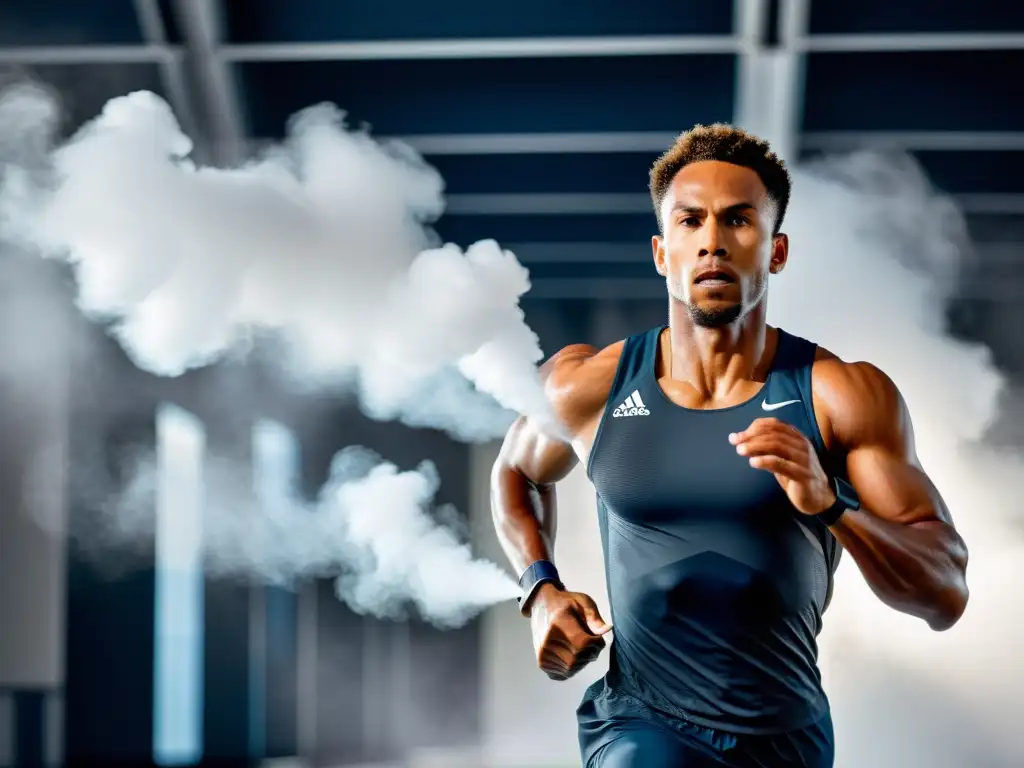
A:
{"x": 540, "y": 143}
{"x": 87, "y": 54}
{"x": 752, "y": 105}
{"x": 612, "y": 204}
{"x": 548, "y": 204}
{"x": 172, "y": 69}
{"x": 790, "y": 73}
{"x": 657, "y": 141}
{"x": 561, "y": 252}
{"x": 942, "y": 141}
{"x": 486, "y": 48}
{"x": 211, "y": 81}
{"x": 770, "y": 87}
{"x": 906, "y": 42}
{"x": 637, "y": 45}
{"x": 513, "y": 48}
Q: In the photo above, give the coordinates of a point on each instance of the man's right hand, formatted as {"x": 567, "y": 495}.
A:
{"x": 568, "y": 631}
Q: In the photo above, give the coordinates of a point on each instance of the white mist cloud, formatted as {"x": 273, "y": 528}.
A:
{"x": 324, "y": 243}
{"x": 373, "y": 528}
{"x": 322, "y": 240}
{"x": 876, "y": 254}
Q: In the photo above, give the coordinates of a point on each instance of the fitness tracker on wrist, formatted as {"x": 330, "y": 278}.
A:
{"x": 537, "y": 573}
{"x": 846, "y": 500}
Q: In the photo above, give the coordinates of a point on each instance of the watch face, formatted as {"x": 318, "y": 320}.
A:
{"x": 846, "y": 494}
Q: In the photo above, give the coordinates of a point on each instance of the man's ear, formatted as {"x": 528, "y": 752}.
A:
{"x": 780, "y": 253}
{"x": 658, "y": 251}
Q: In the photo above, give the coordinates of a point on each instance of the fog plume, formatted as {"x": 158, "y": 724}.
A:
{"x": 322, "y": 241}
{"x": 323, "y": 245}
{"x": 876, "y": 258}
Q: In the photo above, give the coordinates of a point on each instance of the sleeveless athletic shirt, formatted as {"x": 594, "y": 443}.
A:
{"x": 717, "y": 585}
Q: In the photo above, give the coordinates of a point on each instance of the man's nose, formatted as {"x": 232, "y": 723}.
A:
{"x": 718, "y": 253}
{"x": 712, "y": 243}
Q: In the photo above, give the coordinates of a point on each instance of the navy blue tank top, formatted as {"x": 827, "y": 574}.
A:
{"x": 717, "y": 585}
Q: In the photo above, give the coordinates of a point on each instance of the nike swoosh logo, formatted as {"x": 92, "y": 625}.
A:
{"x": 775, "y": 406}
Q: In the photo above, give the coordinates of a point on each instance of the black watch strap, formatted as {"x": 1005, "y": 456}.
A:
{"x": 537, "y": 573}
{"x": 846, "y": 500}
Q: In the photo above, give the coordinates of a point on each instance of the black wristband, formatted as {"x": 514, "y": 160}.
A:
{"x": 537, "y": 573}
{"x": 846, "y": 500}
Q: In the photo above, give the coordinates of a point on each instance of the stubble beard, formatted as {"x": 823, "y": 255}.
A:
{"x": 718, "y": 317}
{"x": 714, "y": 318}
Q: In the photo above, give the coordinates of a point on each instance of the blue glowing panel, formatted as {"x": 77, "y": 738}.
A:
{"x": 923, "y": 91}
{"x": 178, "y": 642}
{"x": 615, "y": 93}
{"x": 328, "y": 20}
{"x": 275, "y": 460}
{"x": 276, "y": 467}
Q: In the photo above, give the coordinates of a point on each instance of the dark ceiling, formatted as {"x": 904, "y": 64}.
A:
{"x": 544, "y": 117}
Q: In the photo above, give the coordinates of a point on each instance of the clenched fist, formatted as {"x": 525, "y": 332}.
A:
{"x": 783, "y": 450}
{"x": 568, "y": 631}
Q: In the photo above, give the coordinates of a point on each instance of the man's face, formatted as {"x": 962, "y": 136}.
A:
{"x": 717, "y": 247}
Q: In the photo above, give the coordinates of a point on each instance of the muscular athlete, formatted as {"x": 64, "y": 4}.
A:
{"x": 733, "y": 462}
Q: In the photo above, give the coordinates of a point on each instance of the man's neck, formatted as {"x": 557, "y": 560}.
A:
{"x": 716, "y": 360}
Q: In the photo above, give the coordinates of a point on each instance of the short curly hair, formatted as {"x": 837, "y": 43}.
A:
{"x": 727, "y": 144}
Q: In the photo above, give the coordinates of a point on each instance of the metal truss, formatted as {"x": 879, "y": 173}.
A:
{"x": 554, "y": 47}
{"x": 212, "y": 85}
{"x": 486, "y": 48}
{"x": 610, "y": 204}
{"x": 169, "y": 59}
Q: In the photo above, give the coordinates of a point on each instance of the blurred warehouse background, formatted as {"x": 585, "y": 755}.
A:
{"x": 543, "y": 119}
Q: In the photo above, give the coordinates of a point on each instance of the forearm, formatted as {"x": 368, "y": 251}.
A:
{"x": 524, "y": 517}
{"x": 918, "y": 569}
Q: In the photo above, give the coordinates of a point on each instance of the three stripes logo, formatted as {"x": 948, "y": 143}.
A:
{"x": 633, "y": 406}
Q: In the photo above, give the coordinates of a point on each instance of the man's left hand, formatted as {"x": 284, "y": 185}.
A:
{"x": 783, "y": 450}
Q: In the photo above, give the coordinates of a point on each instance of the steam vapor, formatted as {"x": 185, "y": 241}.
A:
{"x": 372, "y": 528}
{"x": 322, "y": 242}
{"x": 877, "y": 255}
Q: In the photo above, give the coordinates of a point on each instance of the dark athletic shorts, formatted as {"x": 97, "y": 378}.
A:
{"x": 617, "y": 730}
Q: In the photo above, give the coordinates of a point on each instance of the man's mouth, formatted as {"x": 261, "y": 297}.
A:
{"x": 714, "y": 278}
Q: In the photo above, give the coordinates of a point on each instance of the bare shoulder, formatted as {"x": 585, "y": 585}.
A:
{"x": 578, "y": 380}
{"x": 856, "y": 402}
